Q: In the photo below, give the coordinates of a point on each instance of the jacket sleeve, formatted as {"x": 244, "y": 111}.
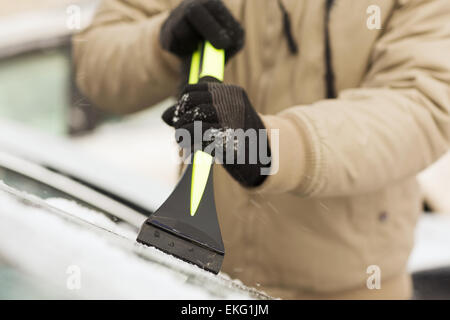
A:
{"x": 390, "y": 128}
{"x": 119, "y": 63}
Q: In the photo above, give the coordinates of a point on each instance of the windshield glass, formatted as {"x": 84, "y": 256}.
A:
{"x": 42, "y": 190}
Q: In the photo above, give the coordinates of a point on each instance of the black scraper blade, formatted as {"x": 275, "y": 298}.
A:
{"x": 193, "y": 238}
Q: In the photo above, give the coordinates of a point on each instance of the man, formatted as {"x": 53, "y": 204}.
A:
{"x": 360, "y": 111}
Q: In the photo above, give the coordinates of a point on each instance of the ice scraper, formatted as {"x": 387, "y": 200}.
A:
{"x": 186, "y": 224}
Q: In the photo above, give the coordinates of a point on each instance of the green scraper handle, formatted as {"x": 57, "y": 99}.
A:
{"x": 207, "y": 61}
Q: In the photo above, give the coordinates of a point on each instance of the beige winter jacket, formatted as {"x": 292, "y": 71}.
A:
{"x": 345, "y": 196}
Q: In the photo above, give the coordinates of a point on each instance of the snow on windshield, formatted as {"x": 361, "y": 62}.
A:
{"x": 67, "y": 260}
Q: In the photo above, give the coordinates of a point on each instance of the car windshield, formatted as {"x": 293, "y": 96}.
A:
{"x": 38, "y": 73}
{"x": 40, "y": 189}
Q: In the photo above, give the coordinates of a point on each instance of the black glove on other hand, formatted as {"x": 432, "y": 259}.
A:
{"x": 194, "y": 21}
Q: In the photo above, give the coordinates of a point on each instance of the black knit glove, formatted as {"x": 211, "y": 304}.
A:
{"x": 222, "y": 109}
{"x": 194, "y": 21}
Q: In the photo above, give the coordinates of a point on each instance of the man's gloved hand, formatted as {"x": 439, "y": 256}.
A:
{"x": 194, "y": 21}
{"x": 222, "y": 109}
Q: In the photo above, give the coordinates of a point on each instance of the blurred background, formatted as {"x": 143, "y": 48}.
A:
{"x": 39, "y": 104}
{"x": 37, "y": 88}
